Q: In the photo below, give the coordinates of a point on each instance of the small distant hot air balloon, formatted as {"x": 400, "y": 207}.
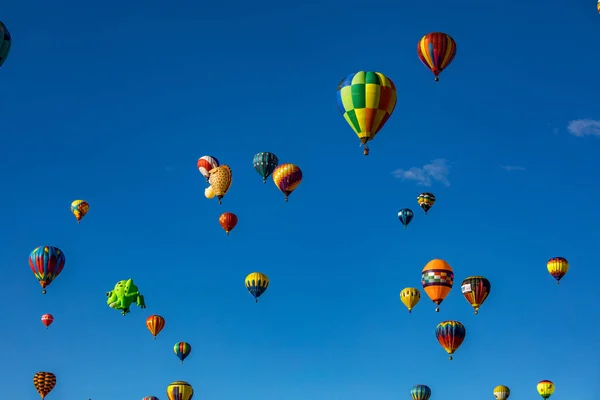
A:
{"x": 228, "y": 221}
{"x": 426, "y": 201}
{"x": 436, "y": 51}
{"x": 410, "y": 297}
{"x": 220, "y": 180}
{"x": 366, "y": 99}
{"x": 501, "y": 392}
{"x": 46, "y": 263}
{"x": 450, "y": 334}
{"x": 209, "y": 193}
{"x": 155, "y": 324}
{"x": 47, "y": 320}
{"x": 265, "y": 163}
{"x": 257, "y": 283}
{"x": 598, "y": 6}
{"x": 44, "y": 382}
{"x": 405, "y": 215}
{"x": 420, "y": 392}
{"x": 437, "y": 279}
{"x": 476, "y": 289}
{"x": 180, "y": 390}
{"x": 5, "y": 42}
{"x": 150, "y": 398}
{"x": 182, "y": 350}
{"x": 558, "y": 268}
{"x": 205, "y": 164}
{"x": 287, "y": 178}
{"x": 79, "y": 208}
{"x": 545, "y": 389}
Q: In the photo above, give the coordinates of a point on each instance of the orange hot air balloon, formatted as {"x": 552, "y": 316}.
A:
{"x": 437, "y": 279}
{"x": 436, "y": 51}
{"x": 220, "y": 180}
{"x": 155, "y": 324}
{"x": 228, "y": 221}
{"x": 47, "y": 320}
{"x": 44, "y": 382}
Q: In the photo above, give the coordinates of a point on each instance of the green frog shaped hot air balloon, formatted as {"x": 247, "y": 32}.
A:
{"x": 124, "y": 295}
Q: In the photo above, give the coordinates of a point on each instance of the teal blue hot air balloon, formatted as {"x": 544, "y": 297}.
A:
{"x": 420, "y": 392}
{"x": 405, "y": 215}
{"x": 265, "y": 163}
{"x": 5, "y": 42}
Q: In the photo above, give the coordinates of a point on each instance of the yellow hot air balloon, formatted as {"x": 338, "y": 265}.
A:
{"x": 180, "y": 390}
{"x": 220, "y": 180}
{"x": 209, "y": 192}
{"x": 501, "y": 392}
{"x": 410, "y": 297}
{"x": 79, "y": 208}
{"x": 558, "y": 268}
{"x": 545, "y": 389}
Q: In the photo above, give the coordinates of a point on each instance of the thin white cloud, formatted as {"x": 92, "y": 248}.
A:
{"x": 436, "y": 170}
{"x": 510, "y": 168}
{"x": 584, "y": 127}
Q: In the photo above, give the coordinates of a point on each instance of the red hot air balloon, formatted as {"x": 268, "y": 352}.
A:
{"x": 47, "y": 320}
{"x": 228, "y": 221}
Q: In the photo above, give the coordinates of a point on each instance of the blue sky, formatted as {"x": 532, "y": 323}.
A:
{"x": 113, "y": 102}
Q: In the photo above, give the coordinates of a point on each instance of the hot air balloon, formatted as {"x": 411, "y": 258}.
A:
{"x": 420, "y": 392}
{"x": 501, "y": 392}
{"x": 265, "y": 163}
{"x": 436, "y": 51}
{"x": 450, "y": 334}
{"x": 545, "y": 389}
{"x": 150, "y": 398}
{"x": 366, "y": 99}
{"x": 79, "y": 208}
{"x": 405, "y": 215}
{"x": 46, "y": 262}
{"x": 209, "y": 192}
{"x": 476, "y": 289}
{"x": 558, "y": 268}
{"x": 437, "y": 279}
{"x": 124, "y": 295}
{"x": 206, "y": 164}
{"x": 220, "y": 180}
{"x": 182, "y": 350}
{"x": 155, "y": 324}
{"x": 180, "y": 390}
{"x": 287, "y": 178}
{"x": 410, "y": 297}
{"x": 257, "y": 283}
{"x": 426, "y": 201}
{"x": 44, "y": 382}
{"x": 47, "y": 320}
{"x": 228, "y": 221}
{"x": 5, "y": 42}
{"x": 598, "y": 6}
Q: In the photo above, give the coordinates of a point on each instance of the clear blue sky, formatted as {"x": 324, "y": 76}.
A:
{"x": 114, "y": 102}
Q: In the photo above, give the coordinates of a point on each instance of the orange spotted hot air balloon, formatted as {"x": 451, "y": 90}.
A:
{"x": 437, "y": 279}
{"x": 44, "y": 382}
{"x": 228, "y": 221}
{"x": 220, "y": 180}
{"x": 155, "y": 324}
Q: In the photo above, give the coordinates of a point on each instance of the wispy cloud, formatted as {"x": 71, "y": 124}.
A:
{"x": 436, "y": 170}
{"x": 510, "y": 168}
{"x": 584, "y": 127}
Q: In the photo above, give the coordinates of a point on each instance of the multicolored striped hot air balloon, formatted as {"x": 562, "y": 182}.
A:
{"x": 44, "y": 382}
{"x": 436, "y": 51}
{"x": 182, "y": 350}
{"x": 265, "y": 163}
{"x": 206, "y": 164}
{"x": 46, "y": 263}
{"x": 437, "y": 279}
{"x": 79, "y": 208}
{"x": 405, "y": 215}
{"x": 476, "y": 289}
{"x": 5, "y": 43}
{"x": 150, "y": 398}
{"x": 257, "y": 283}
{"x": 367, "y": 100}
{"x": 287, "y": 178}
{"x": 450, "y": 334}
{"x": 180, "y": 390}
{"x": 558, "y": 268}
{"x": 426, "y": 200}
{"x": 155, "y": 324}
{"x": 420, "y": 392}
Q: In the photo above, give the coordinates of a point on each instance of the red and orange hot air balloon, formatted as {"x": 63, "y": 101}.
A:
{"x": 437, "y": 279}
{"x": 450, "y": 335}
{"x": 155, "y": 324}
{"x": 47, "y": 320}
{"x": 228, "y": 221}
{"x": 436, "y": 50}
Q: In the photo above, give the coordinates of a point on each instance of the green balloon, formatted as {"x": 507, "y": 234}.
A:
{"x": 124, "y": 295}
